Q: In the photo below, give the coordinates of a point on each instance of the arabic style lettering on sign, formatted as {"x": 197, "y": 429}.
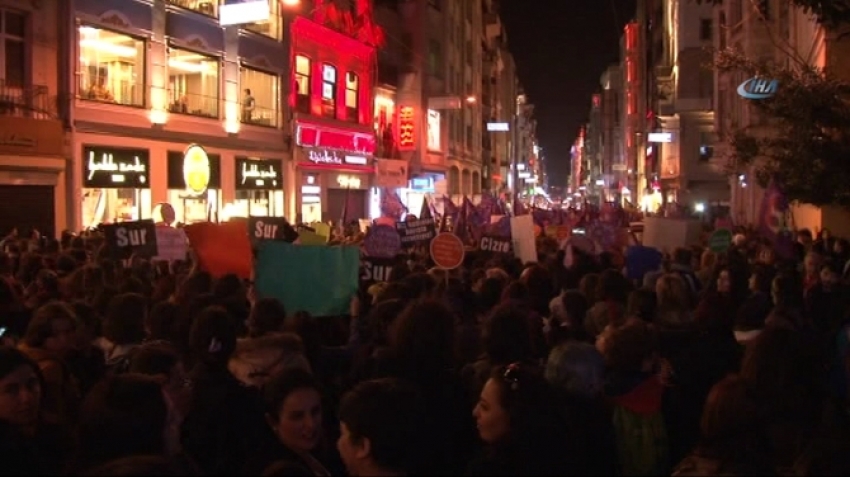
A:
{"x": 115, "y": 166}
{"x": 406, "y": 136}
{"x": 257, "y": 172}
{"x": 323, "y": 156}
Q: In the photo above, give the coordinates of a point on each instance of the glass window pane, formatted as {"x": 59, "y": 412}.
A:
{"x": 351, "y": 80}
{"x": 270, "y": 28}
{"x": 15, "y": 66}
{"x": 111, "y": 67}
{"x": 260, "y": 97}
{"x": 350, "y": 98}
{"x": 327, "y": 91}
{"x": 329, "y": 73}
{"x": 14, "y": 23}
{"x": 207, "y": 7}
{"x": 193, "y": 85}
{"x": 302, "y": 65}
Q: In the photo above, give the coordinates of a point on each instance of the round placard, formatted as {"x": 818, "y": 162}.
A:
{"x": 447, "y": 251}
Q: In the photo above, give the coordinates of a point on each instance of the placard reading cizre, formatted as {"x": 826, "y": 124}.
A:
{"x": 415, "y": 232}
{"x": 126, "y": 239}
{"x": 495, "y": 244}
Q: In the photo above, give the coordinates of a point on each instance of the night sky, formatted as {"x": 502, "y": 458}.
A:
{"x": 561, "y": 48}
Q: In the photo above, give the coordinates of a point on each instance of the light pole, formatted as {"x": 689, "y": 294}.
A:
{"x": 515, "y": 154}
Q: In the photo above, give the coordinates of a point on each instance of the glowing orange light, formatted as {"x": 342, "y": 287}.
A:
{"x": 471, "y": 99}
{"x": 406, "y": 136}
{"x": 291, "y": 3}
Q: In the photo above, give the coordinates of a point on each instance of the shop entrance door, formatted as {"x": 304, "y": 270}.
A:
{"x": 336, "y": 201}
{"x": 27, "y": 207}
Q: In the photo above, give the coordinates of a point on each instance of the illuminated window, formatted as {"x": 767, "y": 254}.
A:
{"x": 328, "y": 91}
{"x": 270, "y": 27}
{"x": 260, "y": 93}
{"x": 302, "y": 84}
{"x": 13, "y": 51}
{"x": 193, "y": 86}
{"x": 207, "y": 7}
{"x": 352, "y": 89}
{"x": 111, "y": 67}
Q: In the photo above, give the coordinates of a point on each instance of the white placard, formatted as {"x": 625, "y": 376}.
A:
{"x": 522, "y": 234}
{"x": 171, "y": 243}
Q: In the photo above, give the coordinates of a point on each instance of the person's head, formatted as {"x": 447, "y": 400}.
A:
{"x": 724, "y": 281}
{"x": 804, "y": 236}
{"x": 20, "y": 389}
{"x": 812, "y": 262}
{"x": 125, "y": 319}
{"x": 830, "y": 274}
{"x": 53, "y": 327}
{"x": 629, "y": 348}
{"x": 379, "y": 429}
{"x": 507, "y": 335}
{"x": 294, "y": 409}
{"x": 161, "y": 361}
{"x": 642, "y": 304}
{"x": 122, "y": 416}
{"x": 672, "y": 292}
{"x": 212, "y": 338}
{"x": 577, "y": 368}
{"x": 267, "y": 316}
{"x": 760, "y": 279}
{"x": 683, "y": 257}
{"x": 515, "y": 406}
{"x": 247, "y": 92}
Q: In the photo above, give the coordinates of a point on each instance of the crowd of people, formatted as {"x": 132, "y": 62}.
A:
{"x": 734, "y": 363}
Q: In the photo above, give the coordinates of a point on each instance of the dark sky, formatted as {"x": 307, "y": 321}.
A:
{"x": 561, "y": 48}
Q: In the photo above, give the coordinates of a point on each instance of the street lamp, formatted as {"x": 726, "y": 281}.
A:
{"x": 471, "y": 99}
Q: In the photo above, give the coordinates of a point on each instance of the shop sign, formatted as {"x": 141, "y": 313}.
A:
{"x": 348, "y": 182}
{"x": 391, "y": 173}
{"x": 320, "y": 137}
{"x": 109, "y": 168}
{"x": 257, "y": 174}
{"x": 30, "y": 136}
{"x": 406, "y": 129}
{"x": 330, "y": 156}
{"x": 196, "y": 169}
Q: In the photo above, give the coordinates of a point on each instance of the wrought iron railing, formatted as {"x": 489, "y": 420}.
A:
{"x": 32, "y": 101}
{"x": 193, "y": 104}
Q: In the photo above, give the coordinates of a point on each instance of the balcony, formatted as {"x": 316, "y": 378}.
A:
{"x": 27, "y": 102}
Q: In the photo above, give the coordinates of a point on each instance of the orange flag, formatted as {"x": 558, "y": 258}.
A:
{"x": 222, "y": 248}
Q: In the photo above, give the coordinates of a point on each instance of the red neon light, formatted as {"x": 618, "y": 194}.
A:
{"x": 304, "y": 29}
{"x": 312, "y": 135}
{"x": 406, "y": 136}
{"x": 596, "y": 100}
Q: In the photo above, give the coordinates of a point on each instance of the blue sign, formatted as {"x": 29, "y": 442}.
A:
{"x": 382, "y": 241}
{"x": 758, "y": 88}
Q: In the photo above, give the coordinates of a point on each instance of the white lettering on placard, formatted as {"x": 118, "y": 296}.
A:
{"x": 132, "y": 238}
{"x": 253, "y": 171}
{"x": 263, "y": 231}
{"x": 107, "y": 164}
{"x": 378, "y": 273}
{"x": 324, "y": 156}
{"x": 492, "y": 245}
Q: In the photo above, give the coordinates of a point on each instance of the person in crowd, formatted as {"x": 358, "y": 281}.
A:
{"x": 379, "y": 429}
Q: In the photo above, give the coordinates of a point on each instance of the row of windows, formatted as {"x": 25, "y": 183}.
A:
{"x": 303, "y": 89}
{"x": 112, "y": 69}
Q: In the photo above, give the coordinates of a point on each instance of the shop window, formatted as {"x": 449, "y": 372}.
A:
{"x": 112, "y": 67}
{"x": 258, "y": 203}
{"x": 189, "y": 205}
{"x": 260, "y": 97}
{"x": 302, "y": 84}
{"x": 270, "y": 27}
{"x": 206, "y": 7}
{"x": 352, "y": 90}
{"x": 328, "y": 91}
{"x": 13, "y": 52}
{"x": 193, "y": 86}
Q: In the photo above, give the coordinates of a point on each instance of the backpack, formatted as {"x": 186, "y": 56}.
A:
{"x": 642, "y": 443}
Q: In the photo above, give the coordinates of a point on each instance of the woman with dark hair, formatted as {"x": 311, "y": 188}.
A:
{"x": 123, "y": 328}
{"x": 28, "y": 444}
{"x": 519, "y": 419}
{"x": 294, "y": 413}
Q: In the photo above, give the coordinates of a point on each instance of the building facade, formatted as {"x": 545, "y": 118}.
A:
{"x": 690, "y": 171}
{"x": 34, "y": 172}
{"x": 149, "y": 79}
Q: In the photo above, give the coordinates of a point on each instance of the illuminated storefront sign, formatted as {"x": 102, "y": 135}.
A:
{"x": 239, "y": 12}
{"x": 115, "y": 168}
{"x": 315, "y": 136}
{"x": 406, "y": 131}
{"x": 196, "y": 169}
{"x": 257, "y": 174}
{"x": 329, "y": 156}
{"x": 348, "y": 182}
